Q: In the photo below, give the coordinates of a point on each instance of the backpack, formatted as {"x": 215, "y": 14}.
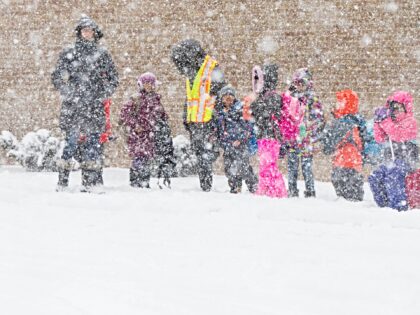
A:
{"x": 335, "y": 137}
{"x": 372, "y": 151}
{"x": 291, "y": 117}
{"x": 247, "y": 117}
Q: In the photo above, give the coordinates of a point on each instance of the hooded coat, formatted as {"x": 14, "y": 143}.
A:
{"x": 401, "y": 128}
{"x": 144, "y": 116}
{"x": 85, "y": 76}
{"x": 232, "y": 127}
{"x": 312, "y": 123}
{"x": 344, "y": 136}
{"x": 267, "y": 106}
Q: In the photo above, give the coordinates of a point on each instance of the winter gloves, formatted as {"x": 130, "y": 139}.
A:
{"x": 381, "y": 114}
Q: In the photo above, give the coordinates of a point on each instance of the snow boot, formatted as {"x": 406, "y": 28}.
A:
{"x": 206, "y": 182}
{"x": 309, "y": 194}
{"x": 63, "y": 175}
{"x": 91, "y": 180}
{"x": 293, "y": 193}
{"x": 134, "y": 178}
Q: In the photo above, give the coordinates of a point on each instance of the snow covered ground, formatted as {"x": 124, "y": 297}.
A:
{"x": 182, "y": 251}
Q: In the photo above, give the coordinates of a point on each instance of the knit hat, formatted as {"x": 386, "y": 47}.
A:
{"x": 303, "y": 75}
{"x": 227, "y": 90}
{"x": 146, "y": 77}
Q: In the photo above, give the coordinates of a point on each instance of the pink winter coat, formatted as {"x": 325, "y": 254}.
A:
{"x": 404, "y": 128}
{"x": 292, "y": 117}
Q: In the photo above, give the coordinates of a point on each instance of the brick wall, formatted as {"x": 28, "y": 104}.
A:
{"x": 369, "y": 46}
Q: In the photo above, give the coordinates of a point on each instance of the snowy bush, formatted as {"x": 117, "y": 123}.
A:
{"x": 186, "y": 161}
{"x": 37, "y": 151}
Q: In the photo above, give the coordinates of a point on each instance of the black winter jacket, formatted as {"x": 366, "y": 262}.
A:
{"x": 85, "y": 75}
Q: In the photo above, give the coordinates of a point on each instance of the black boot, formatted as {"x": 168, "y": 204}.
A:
{"x": 144, "y": 181}
{"x": 63, "y": 179}
{"x": 90, "y": 180}
{"x": 309, "y": 194}
{"x": 100, "y": 177}
{"x": 293, "y": 193}
{"x": 87, "y": 180}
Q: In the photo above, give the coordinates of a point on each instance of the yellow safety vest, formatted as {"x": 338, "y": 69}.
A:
{"x": 200, "y": 103}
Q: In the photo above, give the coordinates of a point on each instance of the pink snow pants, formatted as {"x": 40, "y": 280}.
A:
{"x": 271, "y": 181}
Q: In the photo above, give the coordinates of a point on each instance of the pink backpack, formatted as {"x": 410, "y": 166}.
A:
{"x": 292, "y": 114}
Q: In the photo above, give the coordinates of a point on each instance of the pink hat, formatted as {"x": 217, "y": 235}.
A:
{"x": 146, "y": 77}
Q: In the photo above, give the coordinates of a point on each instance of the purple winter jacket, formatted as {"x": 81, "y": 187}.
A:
{"x": 141, "y": 115}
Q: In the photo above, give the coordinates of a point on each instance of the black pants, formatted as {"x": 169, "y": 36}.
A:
{"x": 205, "y": 149}
{"x": 293, "y": 160}
{"x": 348, "y": 183}
{"x": 140, "y": 172}
{"x": 238, "y": 168}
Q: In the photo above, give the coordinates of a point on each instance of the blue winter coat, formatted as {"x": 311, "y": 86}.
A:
{"x": 232, "y": 127}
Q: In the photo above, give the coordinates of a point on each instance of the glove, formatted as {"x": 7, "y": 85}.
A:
{"x": 283, "y": 151}
{"x": 381, "y": 114}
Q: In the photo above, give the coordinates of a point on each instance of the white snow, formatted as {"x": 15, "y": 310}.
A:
{"x": 391, "y": 6}
{"x": 183, "y": 251}
{"x": 366, "y": 40}
{"x": 267, "y": 44}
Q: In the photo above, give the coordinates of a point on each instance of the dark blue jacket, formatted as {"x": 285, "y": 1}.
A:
{"x": 231, "y": 127}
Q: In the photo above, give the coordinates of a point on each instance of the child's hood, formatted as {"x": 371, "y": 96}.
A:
{"x": 257, "y": 79}
{"x": 350, "y": 102}
{"x": 401, "y": 97}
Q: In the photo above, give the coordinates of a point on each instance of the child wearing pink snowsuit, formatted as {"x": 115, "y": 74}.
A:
{"x": 266, "y": 112}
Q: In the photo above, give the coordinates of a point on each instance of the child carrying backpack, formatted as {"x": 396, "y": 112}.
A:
{"x": 234, "y": 134}
{"x": 344, "y": 137}
{"x": 301, "y": 123}
{"x": 395, "y": 127}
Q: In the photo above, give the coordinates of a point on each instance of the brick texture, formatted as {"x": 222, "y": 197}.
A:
{"x": 370, "y": 46}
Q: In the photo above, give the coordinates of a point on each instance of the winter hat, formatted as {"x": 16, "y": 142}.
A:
{"x": 146, "y": 77}
{"x": 257, "y": 79}
{"x": 188, "y": 56}
{"x": 227, "y": 90}
{"x": 303, "y": 75}
{"x": 401, "y": 97}
{"x": 351, "y": 103}
{"x": 86, "y": 21}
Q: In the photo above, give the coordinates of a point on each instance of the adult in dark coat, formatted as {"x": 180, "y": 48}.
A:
{"x": 189, "y": 57}
{"x": 85, "y": 76}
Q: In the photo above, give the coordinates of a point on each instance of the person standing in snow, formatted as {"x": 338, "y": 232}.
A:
{"x": 85, "y": 76}
{"x": 396, "y": 128}
{"x": 204, "y": 80}
{"x": 300, "y": 149}
{"x": 146, "y": 122}
{"x": 234, "y": 135}
{"x": 266, "y": 109}
{"x": 344, "y": 137}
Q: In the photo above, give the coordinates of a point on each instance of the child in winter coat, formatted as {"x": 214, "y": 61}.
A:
{"x": 395, "y": 127}
{"x": 234, "y": 135}
{"x": 266, "y": 112}
{"x": 301, "y": 125}
{"x": 143, "y": 116}
{"x": 344, "y": 138}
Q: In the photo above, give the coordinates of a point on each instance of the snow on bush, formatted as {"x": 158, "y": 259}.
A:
{"x": 186, "y": 161}
{"x": 37, "y": 151}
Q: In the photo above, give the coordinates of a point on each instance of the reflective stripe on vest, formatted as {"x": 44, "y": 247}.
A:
{"x": 200, "y": 103}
